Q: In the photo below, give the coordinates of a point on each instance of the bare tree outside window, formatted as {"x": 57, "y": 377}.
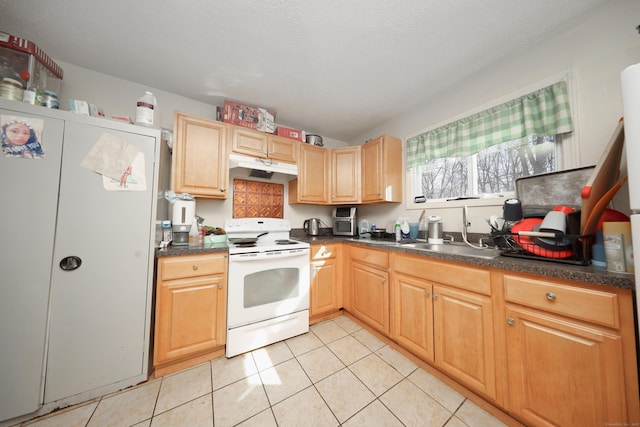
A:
{"x": 496, "y": 169}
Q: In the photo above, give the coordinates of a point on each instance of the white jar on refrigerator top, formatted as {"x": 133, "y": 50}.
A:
{"x": 145, "y": 109}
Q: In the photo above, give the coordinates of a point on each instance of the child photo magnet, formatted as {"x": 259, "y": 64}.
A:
{"x": 21, "y": 137}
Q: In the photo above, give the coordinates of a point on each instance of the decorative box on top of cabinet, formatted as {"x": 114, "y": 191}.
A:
{"x": 571, "y": 353}
{"x": 200, "y": 163}
{"x": 382, "y": 170}
{"x": 191, "y": 310}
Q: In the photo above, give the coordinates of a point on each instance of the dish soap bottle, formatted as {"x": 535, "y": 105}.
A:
{"x": 398, "y": 232}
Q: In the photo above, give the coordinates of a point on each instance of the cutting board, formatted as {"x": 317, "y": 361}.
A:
{"x": 604, "y": 176}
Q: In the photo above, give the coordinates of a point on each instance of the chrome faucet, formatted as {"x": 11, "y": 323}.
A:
{"x": 465, "y": 224}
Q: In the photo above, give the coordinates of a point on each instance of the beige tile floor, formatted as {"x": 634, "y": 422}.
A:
{"x": 338, "y": 374}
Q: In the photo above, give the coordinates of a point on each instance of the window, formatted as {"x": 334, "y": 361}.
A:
{"x": 483, "y": 154}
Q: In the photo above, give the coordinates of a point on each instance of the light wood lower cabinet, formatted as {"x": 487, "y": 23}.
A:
{"x": 370, "y": 287}
{"x": 191, "y": 307}
{"x": 325, "y": 294}
{"x": 571, "y": 354}
{"x": 440, "y": 314}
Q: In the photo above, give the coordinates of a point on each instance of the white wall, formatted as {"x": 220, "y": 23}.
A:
{"x": 595, "y": 50}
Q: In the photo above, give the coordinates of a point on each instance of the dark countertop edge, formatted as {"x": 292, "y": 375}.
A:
{"x": 587, "y": 274}
{"x": 192, "y": 250}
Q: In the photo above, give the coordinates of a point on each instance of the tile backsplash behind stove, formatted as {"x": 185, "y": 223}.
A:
{"x": 256, "y": 199}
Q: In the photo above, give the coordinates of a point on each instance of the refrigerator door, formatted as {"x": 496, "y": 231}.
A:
{"x": 631, "y": 102}
{"x": 29, "y": 194}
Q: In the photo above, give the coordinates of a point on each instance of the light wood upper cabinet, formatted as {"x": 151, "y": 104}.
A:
{"x": 570, "y": 341}
{"x": 382, "y": 170}
{"x": 345, "y": 175}
{"x": 200, "y": 164}
{"x": 312, "y": 183}
{"x": 263, "y": 145}
{"x": 191, "y": 308}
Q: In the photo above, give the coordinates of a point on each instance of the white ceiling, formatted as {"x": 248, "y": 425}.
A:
{"x": 333, "y": 67}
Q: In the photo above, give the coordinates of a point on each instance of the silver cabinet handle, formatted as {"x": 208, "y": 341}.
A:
{"x": 222, "y": 189}
{"x": 220, "y": 286}
{"x": 550, "y": 296}
{"x": 195, "y": 266}
{"x": 435, "y": 296}
{"x": 384, "y": 280}
{"x": 511, "y": 321}
{"x": 427, "y": 293}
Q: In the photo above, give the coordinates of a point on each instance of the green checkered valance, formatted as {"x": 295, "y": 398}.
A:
{"x": 543, "y": 112}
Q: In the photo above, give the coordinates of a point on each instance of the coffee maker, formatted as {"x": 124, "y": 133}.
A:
{"x": 184, "y": 212}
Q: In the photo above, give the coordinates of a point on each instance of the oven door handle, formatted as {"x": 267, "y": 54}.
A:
{"x": 266, "y": 255}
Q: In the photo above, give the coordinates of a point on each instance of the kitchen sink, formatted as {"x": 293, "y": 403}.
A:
{"x": 455, "y": 248}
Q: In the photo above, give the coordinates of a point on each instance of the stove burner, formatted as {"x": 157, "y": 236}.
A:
{"x": 284, "y": 242}
{"x": 245, "y": 245}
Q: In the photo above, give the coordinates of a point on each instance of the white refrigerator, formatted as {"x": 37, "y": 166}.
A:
{"x": 631, "y": 103}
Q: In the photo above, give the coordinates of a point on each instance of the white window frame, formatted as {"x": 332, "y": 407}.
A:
{"x": 567, "y": 155}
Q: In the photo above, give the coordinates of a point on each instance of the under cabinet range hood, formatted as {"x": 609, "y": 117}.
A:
{"x": 263, "y": 168}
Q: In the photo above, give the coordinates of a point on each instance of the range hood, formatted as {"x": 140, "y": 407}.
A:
{"x": 265, "y": 165}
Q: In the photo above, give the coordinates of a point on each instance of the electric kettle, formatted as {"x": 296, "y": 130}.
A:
{"x": 311, "y": 226}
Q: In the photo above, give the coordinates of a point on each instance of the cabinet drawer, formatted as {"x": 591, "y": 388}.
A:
{"x": 320, "y": 252}
{"x": 191, "y": 266}
{"x": 585, "y": 304}
{"x": 374, "y": 258}
{"x": 472, "y": 279}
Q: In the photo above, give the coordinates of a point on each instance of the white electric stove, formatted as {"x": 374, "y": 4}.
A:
{"x": 268, "y": 292}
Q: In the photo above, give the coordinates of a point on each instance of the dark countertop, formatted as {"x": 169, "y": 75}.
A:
{"x": 589, "y": 274}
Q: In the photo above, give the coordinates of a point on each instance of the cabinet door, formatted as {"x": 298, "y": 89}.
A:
{"x": 372, "y": 170}
{"x": 29, "y": 202}
{"x": 412, "y": 315}
{"x": 283, "y": 149}
{"x": 563, "y": 373}
{"x": 313, "y": 170}
{"x": 324, "y": 288}
{"x": 190, "y": 317}
{"x": 464, "y": 341}
{"x": 370, "y": 301}
{"x": 251, "y": 143}
{"x": 200, "y": 163}
{"x": 100, "y": 311}
{"x": 345, "y": 175}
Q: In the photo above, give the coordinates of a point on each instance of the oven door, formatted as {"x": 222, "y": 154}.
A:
{"x": 266, "y": 285}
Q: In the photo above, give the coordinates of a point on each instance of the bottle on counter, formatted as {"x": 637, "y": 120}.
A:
{"x": 398, "y": 232}
{"x": 194, "y": 234}
{"x": 145, "y": 108}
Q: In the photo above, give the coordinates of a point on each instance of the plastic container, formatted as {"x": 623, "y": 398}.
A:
{"x": 194, "y": 234}
{"x": 145, "y": 109}
{"x": 49, "y": 99}
{"x": 398, "y": 232}
{"x": 364, "y": 227}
